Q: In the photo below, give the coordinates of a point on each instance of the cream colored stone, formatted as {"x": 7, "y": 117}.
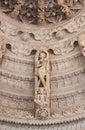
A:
{"x": 42, "y": 70}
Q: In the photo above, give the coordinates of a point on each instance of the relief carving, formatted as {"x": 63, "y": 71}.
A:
{"x": 53, "y": 96}
{"x": 38, "y": 11}
{"x": 42, "y": 85}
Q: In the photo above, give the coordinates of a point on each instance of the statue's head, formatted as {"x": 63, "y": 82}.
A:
{"x": 43, "y": 55}
{"x": 81, "y": 41}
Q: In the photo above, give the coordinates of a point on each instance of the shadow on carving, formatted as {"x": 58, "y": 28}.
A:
{"x": 8, "y": 46}
{"x": 75, "y": 44}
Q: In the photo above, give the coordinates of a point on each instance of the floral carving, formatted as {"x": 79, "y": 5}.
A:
{"x": 39, "y": 11}
{"x": 8, "y": 5}
{"x": 23, "y": 10}
{"x": 28, "y": 11}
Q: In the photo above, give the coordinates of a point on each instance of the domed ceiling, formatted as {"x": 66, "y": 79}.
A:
{"x": 42, "y": 61}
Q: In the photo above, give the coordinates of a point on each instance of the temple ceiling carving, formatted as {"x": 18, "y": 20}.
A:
{"x": 42, "y": 61}
{"x": 40, "y": 12}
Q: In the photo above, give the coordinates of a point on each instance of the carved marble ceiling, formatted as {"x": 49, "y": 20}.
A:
{"x": 41, "y": 11}
{"x": 42, "y": 64}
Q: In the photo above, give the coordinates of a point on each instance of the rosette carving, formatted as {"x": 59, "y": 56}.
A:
{"x": 42, "y": 113}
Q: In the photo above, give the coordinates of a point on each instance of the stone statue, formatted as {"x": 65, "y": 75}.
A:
{"x": 41, "y": 97}
{"x": 42, "y": 84}
{"x": 42, "y": 68}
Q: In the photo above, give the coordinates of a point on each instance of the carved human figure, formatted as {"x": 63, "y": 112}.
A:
{"x": 42, "y": 84}
{"x": 41, "y": 66}
{"x": 41, "y": 98}
{"x": 81, "y": 41}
